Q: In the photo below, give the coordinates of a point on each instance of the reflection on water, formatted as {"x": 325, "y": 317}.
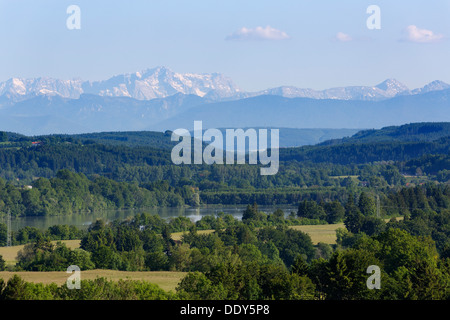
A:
{"x": 82, "y": 221}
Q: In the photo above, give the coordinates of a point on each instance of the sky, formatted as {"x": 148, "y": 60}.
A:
{"x": 258, "y": 44}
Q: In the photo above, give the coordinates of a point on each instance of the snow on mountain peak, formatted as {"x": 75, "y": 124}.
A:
{"x": 392, "y": 85}
{"x": 432, "y": 86}
{"x": 161, "y": 82}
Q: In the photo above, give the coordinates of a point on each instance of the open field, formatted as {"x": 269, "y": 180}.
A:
{"x": 343, "y": 177}
{"x": 177, "y": 235}
{"x": 321, "y": 233}
{"x": 166, "y": 280}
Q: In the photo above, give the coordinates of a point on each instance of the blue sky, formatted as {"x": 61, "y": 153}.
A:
{"x": 259, "y": 44}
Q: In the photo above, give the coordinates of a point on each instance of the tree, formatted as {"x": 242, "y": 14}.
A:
{"x": 3, "y": 234}
{"x": 353, "y": 218}
{"x": 126, "y": 239}
{"x": 372, "y": 225}
{"x": 324, "y": 250}
{"x": 346, "y": 275}
{"x": 196, "y": 286}
{"x": 3, "y": 136}
{"x": 311, "y": 210}
{"x": 334, "y": 211}
{"x": 15, "y": 289}
{"x": 252, "y": 213}
{"x": 2, "y": 263}
{"x": 289, "y": 242}
{"x": 81, "y": 258}
{"x": 106, "y": 258}
{"x": 300, "y": 266}
{"x": 366, "y": 205}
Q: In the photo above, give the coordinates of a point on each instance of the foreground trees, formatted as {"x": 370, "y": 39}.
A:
{"x": 260, "y": 257}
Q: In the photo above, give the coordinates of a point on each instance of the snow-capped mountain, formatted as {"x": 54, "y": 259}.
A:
{"x": 18, "y": 89}
{"x": 162, "y": 82}
{"x": 149, "y": 84}
{"x": 432, "y": 86}
{"x": 124, "y": 103}
{"x": 385, "y": 90}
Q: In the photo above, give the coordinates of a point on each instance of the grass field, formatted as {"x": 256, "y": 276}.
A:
{"x": 166, "y": 280}
{"x": 177, "y": 235}
{"x": 321, "y": 233}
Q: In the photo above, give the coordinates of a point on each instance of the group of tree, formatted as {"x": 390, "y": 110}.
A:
{"x": 145, "y": 243}
{"x": 98, "y": 289}
{"x": 261, "y": 257}
{"x": 70, "y": 192}
{"x": 29, "y": 234}
{"x": 411, "y": 268}
{"x": 325, "y": 168}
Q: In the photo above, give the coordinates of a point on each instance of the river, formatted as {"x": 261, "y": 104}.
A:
{"x": 83, "y": 220}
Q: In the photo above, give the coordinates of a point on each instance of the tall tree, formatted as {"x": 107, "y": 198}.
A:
{"x": 366, "y": 205}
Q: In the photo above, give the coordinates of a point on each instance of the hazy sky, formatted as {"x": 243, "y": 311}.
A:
{"x": 259, "y": 44}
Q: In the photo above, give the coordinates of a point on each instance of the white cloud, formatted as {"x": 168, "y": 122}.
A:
{"x": 258, "y": 33}
{"x": 414, "y": 34}
{"x": 340, "y": 36}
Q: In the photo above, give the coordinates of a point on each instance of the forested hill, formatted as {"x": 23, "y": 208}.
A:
{"x": 153, "y": 139}
{"x": 131, "y": 138}
{"x": 425, "y": 131}
{"x": 358, "y": 152}
{"x": 397, "y": 143}
{"x": 103, "y": 153}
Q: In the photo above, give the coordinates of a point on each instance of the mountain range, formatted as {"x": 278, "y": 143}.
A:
{"x": 148, "y": 84}
{"x": 160, "y": 99}
{"x": 162, "y": 82}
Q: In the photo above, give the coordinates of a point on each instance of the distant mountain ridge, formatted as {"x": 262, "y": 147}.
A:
{"x": 387, "y": 89}
{"x": 276, "y": 111}
{"x": 91, "y": 113}
{"x": 160, "y": 99}
{"x": 161, "y": 82}
{"x": 148, "y": 84}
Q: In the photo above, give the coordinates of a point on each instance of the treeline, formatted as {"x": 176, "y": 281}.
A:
{"x": 146, "y": 165}
{"x": 305, "y": 166}
{"x": 356, "y": 153}
{"x": 69, "y": 192}
{"x": 436, "y": 166}
{"x": 99, "y": 289}
{"x": 47, "y": 159}
{"x": 422, "y": 131}
{"x": 317, "y": 173}
{"x": 31, "y": 234}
